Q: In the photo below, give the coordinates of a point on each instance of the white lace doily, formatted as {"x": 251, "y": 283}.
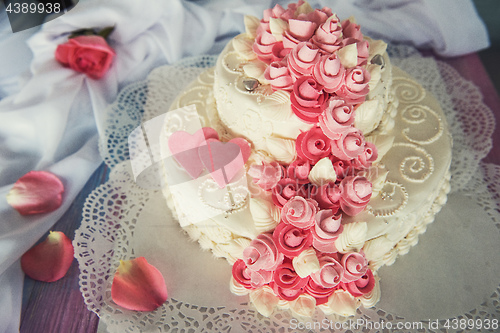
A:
{"x": 122, "y": 220}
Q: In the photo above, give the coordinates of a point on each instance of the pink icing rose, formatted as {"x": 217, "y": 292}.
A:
{"x": 299, "y": 170}
{"x": 274, "y": 12}
{"x": 266, "y": 175}
{"x": 248, "y": 278}
{"x": 286, "y": 189}
{"x": 326, "y": 230}
{"x": 262, "y": 254}
{"x": 318, "y": 16}
{"x": 298, "y": 31}
{"x": 302, "y": 58}
{"x": 286, "y": 283}
{"x": 308, "y": 99}
{"x": 328, "y": 196}
{"x": 355, "y": 193}
{"x": 299, "y": 212}
{"x": 279, "y": 52}
{"x": 319, "y": 292}
{"x": 328, "y": 37}
{"x": 361, "y": 286}
{"x": 290, "y": 240}
{"x": 342, "y": 168}
{"x": 329, "y": 73}
{"x": 351, "y": 30}
{"x": 355, "y": 87}
{"x": 331, "y": 272}
{"x": 87, "y": 54}
{"x": 278, "y": 76}
{"x": 336, "y": 119}
{"x": 313, "y": 145}
{"x": 355, "y": 266}
{"x": 367, "y": 157}
{"x": 349, "y": 145}
{"x": 263, "y": 46}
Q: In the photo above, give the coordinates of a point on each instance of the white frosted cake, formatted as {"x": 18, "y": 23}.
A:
{"x": 306, "y": 160}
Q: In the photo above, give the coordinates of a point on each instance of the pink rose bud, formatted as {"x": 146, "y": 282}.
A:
{"x": 355, "y": 266}
{"x": 313, "y": 145}
{"x": 263, "y": 46}
{"x": 308, "y": 99}
{"x": 290, "y": 240}
{"x": 349, "y": 145}
{"x": 266, "y": 175}
{"x": 286, "y": 283}
{"x": 329, "y": 73}
{"x": 336, "y": 119}
{"x": 50, "y": 260}
{"x": 278, "y": 76}
{"x": 361, "y": 286}
{"x": 138, "y": 286}
{"x": 355, "y": 87}
{"x": 328, "y": 37}
{"x": 300, "y": 212}
{"x": 355, "y": 194}
{"x": 302, "y": 59}
{"x": 351, "y": 30}
{"x": 262, "y": 254}
{"x": 299, "y": 170}
{"x": 87, "y": 54}
{"x": 36, "y": 192}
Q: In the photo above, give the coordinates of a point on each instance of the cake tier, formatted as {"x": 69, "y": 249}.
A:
{"x": 249, "y": 108}
{"x": 410, "y": 182}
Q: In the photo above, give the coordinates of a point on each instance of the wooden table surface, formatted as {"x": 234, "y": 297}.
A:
{"x": 59, "y": 307}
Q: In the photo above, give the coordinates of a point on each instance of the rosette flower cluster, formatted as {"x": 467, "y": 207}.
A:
{"x": 299, "y": 257}
{"x": 314, "y": 56}
{"x": 309, "y": 53}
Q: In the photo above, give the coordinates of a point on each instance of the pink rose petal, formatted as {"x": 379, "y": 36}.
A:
{"x": 138, "y": 286}
{"x": 36, "y": 192}
{"x": 50, "y": 260}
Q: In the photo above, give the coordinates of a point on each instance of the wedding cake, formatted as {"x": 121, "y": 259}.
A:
{"x": 306, "y": 160}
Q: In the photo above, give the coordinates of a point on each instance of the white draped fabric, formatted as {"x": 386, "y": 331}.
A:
{"x": 51, "y": 116}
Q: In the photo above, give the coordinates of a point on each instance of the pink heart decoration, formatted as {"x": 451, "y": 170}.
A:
{"x": 224, "y": 160}
{"x": 184, "y": 148}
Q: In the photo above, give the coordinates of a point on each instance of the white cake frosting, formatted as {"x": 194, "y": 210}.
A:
{"x": 409, "y": 179}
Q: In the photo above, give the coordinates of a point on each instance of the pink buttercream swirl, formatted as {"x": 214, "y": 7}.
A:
{"x": 308, "y": 99}
{"x": 355, "y": 87}
{"x": 248, "y": 278}
{"x": 351, "y": 30}
{"x": 342, "y": 168}
{"x": 331, "y": 272}
{"x": 286, "y": 189}
{"x": 329, "y": 73}
{"x": 299, "y": 170}
{"x": 361, "y": 286}
{"x": 300, "y": 212}
{"x": 290, "y": 240}
{"x": 262, "y": 254}
{"x": 328, "y": 196}
{"x": 326, "y": 230}
{"x": 349, "y": 145}
{"x": 367, "y": 157}
{"x": 337, "y": 118}
{"x": 263, "y": 46}
{"x": 313, "y": 145}
{"x": 287, "y": 284}
{"x": 302, "y": 59}
{"x": 266, "y": 175}
{"x": 355, "y": 266}
{"x": 278, "y": 76}
{"x": 355, "y": 193}
{"x": 328, "y": 36}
